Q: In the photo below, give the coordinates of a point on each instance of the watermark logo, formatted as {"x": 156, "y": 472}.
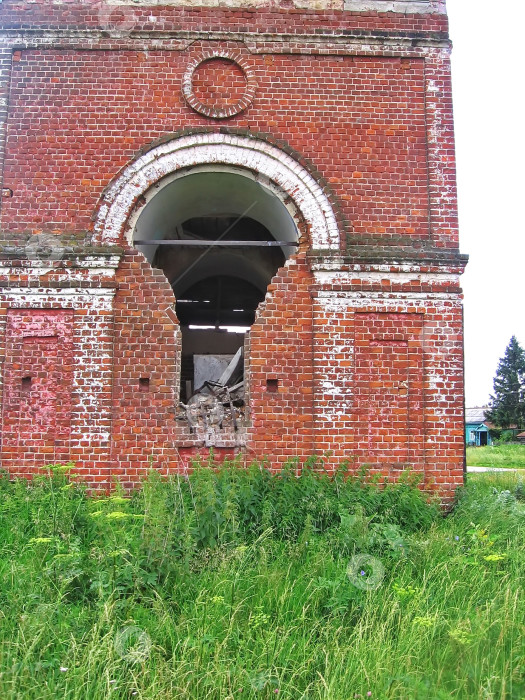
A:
{"x": 132, "y": 644}
{"x": 44, "y": 247}
{"x": 365, "y": 572}
{"x": 441, "y": 346}
{"x": 118, "y": 20}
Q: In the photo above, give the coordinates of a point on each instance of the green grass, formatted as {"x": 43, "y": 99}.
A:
{"x": 236, "y": 584}
{"x": 507, "y": 456}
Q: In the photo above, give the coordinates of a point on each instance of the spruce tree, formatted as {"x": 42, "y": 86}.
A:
{"x": 507, "y": 405}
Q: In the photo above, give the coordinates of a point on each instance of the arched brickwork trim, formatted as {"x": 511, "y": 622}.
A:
{"x": 285, "y": 174}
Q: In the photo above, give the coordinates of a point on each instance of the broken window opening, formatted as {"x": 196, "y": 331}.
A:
{"x": 215, "y": 314}
{"x": 220, "y": 237}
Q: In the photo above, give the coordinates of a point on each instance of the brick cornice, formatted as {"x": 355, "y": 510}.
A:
{"x": 327, "y": 41}
{"x": 376, "y": 257}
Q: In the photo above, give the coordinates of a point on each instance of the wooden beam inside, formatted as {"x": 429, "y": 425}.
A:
{"x": 206, "y": 244}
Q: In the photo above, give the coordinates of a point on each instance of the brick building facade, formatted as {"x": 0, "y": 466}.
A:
{"x": 189, "y": 182}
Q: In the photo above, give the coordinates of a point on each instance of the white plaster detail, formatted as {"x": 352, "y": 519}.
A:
{"x": 102, "y": 264}
{"x": 393, "y": 277}
{"x": 338, "y": 265}
{"x": 82, "y": 269}
{"x": 222, "y": 149}
{"x": 298, "y": 4}
{"x": 338, "y": 298}
{"x": 20, "y": 297}
{"x": 5, "y": 73}
{"x": 403, "y": 6}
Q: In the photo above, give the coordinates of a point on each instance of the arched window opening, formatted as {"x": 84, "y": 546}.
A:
{"x": 219, "y": 237}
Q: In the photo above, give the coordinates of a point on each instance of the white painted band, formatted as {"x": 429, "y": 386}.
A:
{"x": 329, "y": 277}
{"x": 402, "y": 6}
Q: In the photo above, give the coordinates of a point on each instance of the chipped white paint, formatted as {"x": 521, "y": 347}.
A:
{"x": 403, "y": 6}
{"x": 188, "y": 152}
{"x": 384, "y": 301}
{"x": 83, "y": 270}
{"x": 297, "y": 4}
{"x": 442, "y": 184}
{"x": 101, "y": 264}
{"x": 19, "y": 297}
{"x": 392, "y": 277}
{"x": 337, "y": 264}
{"x": 5, "y": 72}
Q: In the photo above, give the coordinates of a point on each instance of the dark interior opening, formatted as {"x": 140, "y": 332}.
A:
{"x": 218, "y": 290}
{"x": 218, "y": 301}
{"x": 219, "y": 237}
{"x": 272, "y": 385}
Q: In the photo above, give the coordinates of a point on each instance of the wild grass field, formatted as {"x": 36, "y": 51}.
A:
{"x": 240, "y": 584}
{"x": 509, "y": 456}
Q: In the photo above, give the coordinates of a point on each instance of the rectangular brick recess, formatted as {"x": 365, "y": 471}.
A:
{"x": 389, "y": 413}
{"x": 362, "y": 349}
{"x": 37, "y": 374}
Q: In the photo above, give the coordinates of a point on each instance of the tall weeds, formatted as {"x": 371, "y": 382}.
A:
{"x": 236, "y": 583}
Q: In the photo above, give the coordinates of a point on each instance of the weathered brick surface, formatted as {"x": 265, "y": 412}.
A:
{"x": 146, "y": 366}
{"x": 171, "y": 16}
{"x": 38, "y": 375}
{"x": 5, "y": 73}
{"x": 360, "y": 120}
{"x": 218, "y": 82}
{"x": 60, "y": 341}
{"x": 389, "y": 375}
{"x": 355, "y": 353}
{"x": 281, "y": 353}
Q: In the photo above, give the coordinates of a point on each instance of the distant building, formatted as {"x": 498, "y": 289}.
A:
{"x": 476, "y": 427}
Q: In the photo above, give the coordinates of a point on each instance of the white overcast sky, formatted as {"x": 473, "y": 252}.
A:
{"x": 489, "y": 100}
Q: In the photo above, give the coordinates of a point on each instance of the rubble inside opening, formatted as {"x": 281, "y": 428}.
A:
{"x": 217, "y": 285}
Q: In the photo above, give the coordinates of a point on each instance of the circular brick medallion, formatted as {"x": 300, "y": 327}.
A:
{"x": 219, "y": 84}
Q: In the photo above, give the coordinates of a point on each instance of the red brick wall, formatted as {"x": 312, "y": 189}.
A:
{"x": 218, "y": 81}
{"x": 388, "y": 373}
{"x": 360, "y": 120}
{"x": 146, "y": 371}
{"x": 357, "y": 357}
{"x": 281, "y": 369}
{"x": 389, "y": 393}
{"x": 271, "y": 20}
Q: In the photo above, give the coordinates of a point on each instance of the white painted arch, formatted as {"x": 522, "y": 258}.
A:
{"x": 208, "y": 149}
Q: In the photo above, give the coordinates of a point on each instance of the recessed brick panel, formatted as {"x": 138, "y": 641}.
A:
{"x": 389, "y": 390}
{"x": 38, "y": 374}
{"x": 219, "y": 83}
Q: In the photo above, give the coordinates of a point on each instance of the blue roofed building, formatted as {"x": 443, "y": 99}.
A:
{"x": 477, "y": 427}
